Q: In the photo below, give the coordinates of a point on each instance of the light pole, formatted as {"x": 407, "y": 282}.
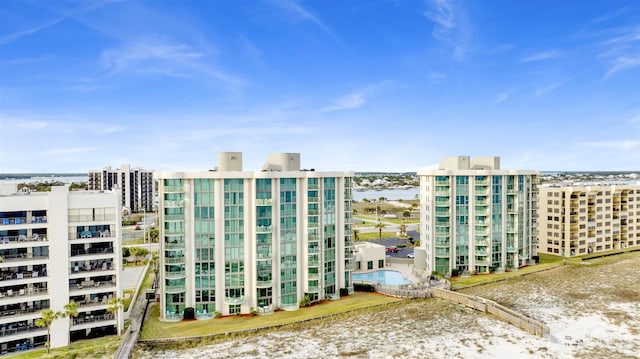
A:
{"x": 144, "y": 224}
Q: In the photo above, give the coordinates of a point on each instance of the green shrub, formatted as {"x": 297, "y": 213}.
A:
{"x": 217, "y": 314}
{"x": 253, "y": 311}
{"x": 305, "y": 301}
{"x": 344, "y": 292}
{"x": 401, "y": 245}
{"x": 455, "y": 272}
{"x": 189, "y": 313}
{"x": 125, "y": 252}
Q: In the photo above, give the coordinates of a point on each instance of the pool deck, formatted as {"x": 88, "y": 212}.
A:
{"x": 406, "y": 268}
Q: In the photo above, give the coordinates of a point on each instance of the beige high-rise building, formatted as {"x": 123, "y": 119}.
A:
{"x": 476, "y": 217}
{"x": 578, "y": 220}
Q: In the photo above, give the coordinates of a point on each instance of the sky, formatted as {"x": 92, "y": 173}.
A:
{"x": 358, "y": 85}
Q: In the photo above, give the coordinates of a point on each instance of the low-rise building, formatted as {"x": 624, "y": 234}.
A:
{"x": 369, "y": 256}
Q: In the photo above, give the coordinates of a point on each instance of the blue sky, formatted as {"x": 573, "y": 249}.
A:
{"x": 351, "y": 85}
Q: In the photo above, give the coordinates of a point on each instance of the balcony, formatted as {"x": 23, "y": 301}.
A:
{"x": 14, "y": 220}
{"x": 174, "y": 289}
{"x": 21, "y": 295}
{"x": 264, "y": 229}
{"x": 173, "y": 217}
{"x": 89, "y": 286}
{"x": 91, "y": 252}
{"x": 174, "y": 260}
{"x": 264, "y": 201}
{"x": 314, "y": 276}
{"x": 89, "y": 319}
{"x": 23, "y": 238}
{"x": 174, "y": 244}
{"x": 481, "y": 243}
{"x": 313, "y": 289}
{"x": 173, "y": 189}
{"x": 264, "y": 283}
{"x": 444, "y": 193}
{"x": 22, "y": 257}
{"x": 442, "y": 203}
{"x": 174, "y": 274}
{"x": 17, "y": 313}
{"x": 32, "y": 330}
{"x": 234, "y": 300}
{"x": 170, "y": 231}
{"x": 173, "y": 204}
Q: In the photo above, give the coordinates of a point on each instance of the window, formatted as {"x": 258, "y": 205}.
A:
{"x": 234, "y": 309}
{"x": 380, "y": 263}
{"x": 370, "y": 265}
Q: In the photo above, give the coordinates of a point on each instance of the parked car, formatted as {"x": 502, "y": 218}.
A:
{"x": 392, "y": 249}
{"x": 410, "y": 255}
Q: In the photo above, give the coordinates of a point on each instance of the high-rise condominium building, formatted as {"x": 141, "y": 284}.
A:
{"x": 234, "y": 240}
{"x": 578, "y": 220}
{"x": 475, "y": 217}
{"x": 136, "y": 185}
{"x": 57, "y": 247}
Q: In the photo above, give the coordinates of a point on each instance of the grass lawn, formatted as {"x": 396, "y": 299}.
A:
{"x": 399, "y": 220}
{"x": 546, "y": 262}
{"x": 90, "y": 348}
{"x": 155, "y": 329}
{"x": 375, "y": 235}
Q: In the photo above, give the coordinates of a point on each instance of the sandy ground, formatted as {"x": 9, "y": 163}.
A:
{"x": 593, "y": 311}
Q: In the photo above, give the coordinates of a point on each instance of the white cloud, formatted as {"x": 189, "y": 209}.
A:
{"x": 543, "y": 90}
{"x": 295, "y": 8}
{"x": 622, "y": 63}
{"x": 539, "y": 56}
{"x": 617, "y": 145}
{"x": 32, "y": 30}
{"x": 502, "y": 96}
{"x": 347, "y": 102}
{"x": 436, "y": 77}
{"x": 450, "y": 25}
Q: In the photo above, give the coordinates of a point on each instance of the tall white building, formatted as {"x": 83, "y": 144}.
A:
{"x": 136, "y": 185}
{"x": 234, "y": 240}
{"x": 476, "y": 217}
{"x": 56, "y": 247}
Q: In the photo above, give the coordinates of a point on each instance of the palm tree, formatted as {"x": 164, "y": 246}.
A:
{"x": 356, "y": 233}
{"x": 380, "y": 226}
{"x": 113, "y": 307}
{"x": 48, "y": 316}
{"x": 403, "y": 230}
{"x": 71, "y": 311}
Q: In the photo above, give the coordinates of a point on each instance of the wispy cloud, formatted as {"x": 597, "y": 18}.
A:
{"x": 70, "y": 150}
{"x": 16, "y": 35}
{"x": 543, "y": 55}
{"x": 347, "y": 102}
{"x": 621, "y": 51}
{"x": 502, "y": 96}
{"x": 622, "y": 63}
{"x": 293, "y": 7}
{"x": 451, "y": 25}
{"x": 161, "y": 56}
{"x": 543, "y": 90}
{"x": 617, "y": 145}
{"x": 436, "y": 77}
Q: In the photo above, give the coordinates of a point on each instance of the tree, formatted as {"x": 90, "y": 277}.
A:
{"x": 406, "y": 214}
{"x": 47, "y": 317}
{"x": 414, "y": 206}
{"x": 137, "y": 252}
{"x": 403, "y": 230}
{"x": 113, "y": 306}
{"x": 380, "y": 226}
{"x": 71, "y": 311}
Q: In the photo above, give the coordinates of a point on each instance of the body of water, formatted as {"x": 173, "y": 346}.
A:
{"x": 67, "y": 179}
{"x": 386, "y": 277}
{"x": 390, "y": 194}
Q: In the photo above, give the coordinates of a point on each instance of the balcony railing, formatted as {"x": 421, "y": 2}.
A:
{"x": 264, "y": 283}
{"x": 93, "y": 319}
{"x": 264, "y": 229}
{"x": 14, "y": 220}
{"x": 174, "y": 274}
{"x": 6, "y": 276}
{"x": 91, "y": 251}
{"x": 23, "y": 292}
{"x": 23, "y": 238}
{"x": 22, "y": 329}
{"x": 22, "y": 257}
{"x": 106, "y": 266}
{"x": 90, "y": 285}
{"x": 234, "y": 300}
{"x": 173, "y": 204}
{"x": 264, "y": 201}
{"x": 20, "y": 312}
{"x": 173, "y": 189}
{"x": 174, "y": 289}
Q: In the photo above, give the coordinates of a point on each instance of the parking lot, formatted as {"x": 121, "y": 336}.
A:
{"x": 402, "y": 252}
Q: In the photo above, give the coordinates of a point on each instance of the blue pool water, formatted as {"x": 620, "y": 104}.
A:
{"x": 388, "y": 277}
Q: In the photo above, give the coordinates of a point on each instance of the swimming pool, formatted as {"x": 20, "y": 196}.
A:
{"x": 388, "y": 277}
